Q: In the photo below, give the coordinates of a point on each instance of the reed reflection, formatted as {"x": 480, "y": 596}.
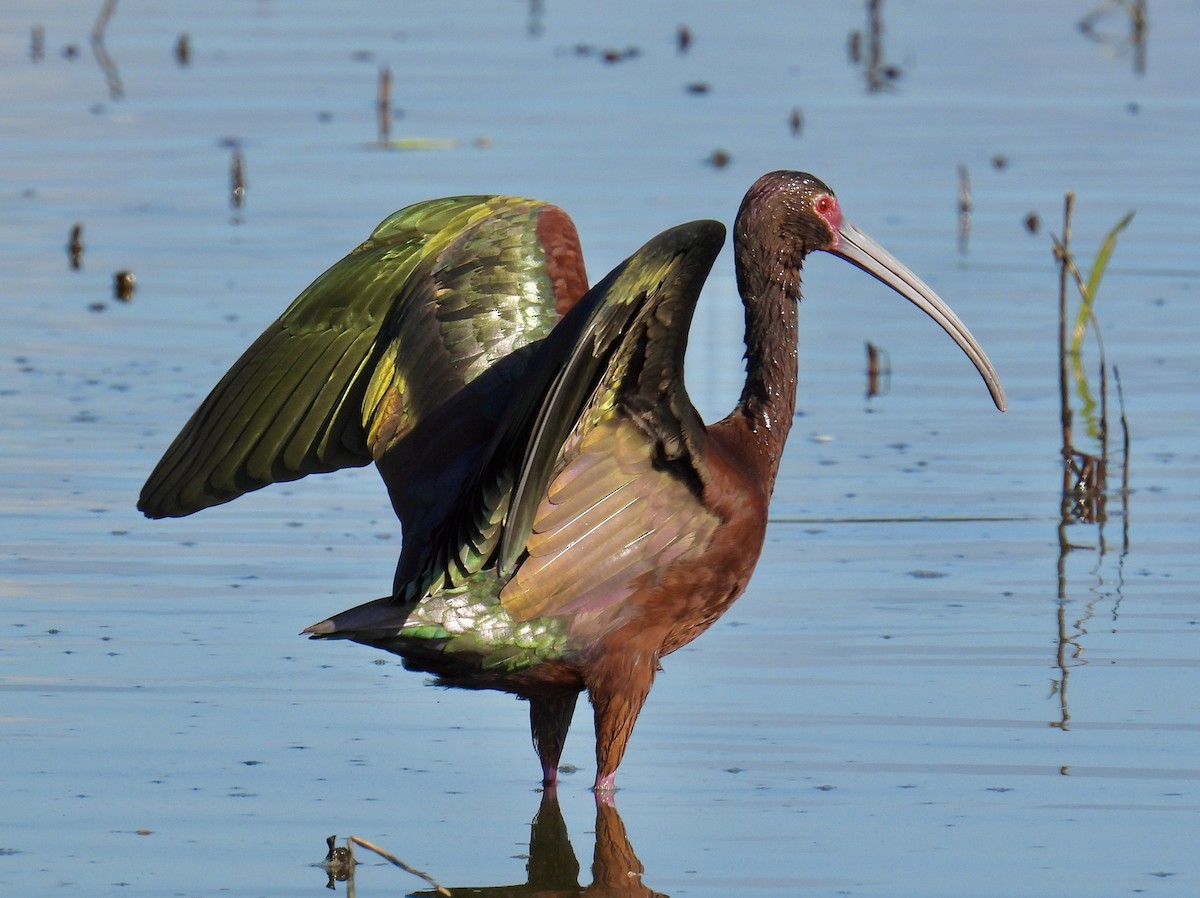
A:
{"x": 113, "y": 77}
{"x": 1084, "y": 499}
{"x": 866, "y": 50}
{"x": 1135, "y": 13}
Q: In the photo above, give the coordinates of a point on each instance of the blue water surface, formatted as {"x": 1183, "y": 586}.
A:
{"x": 931, "y": 687}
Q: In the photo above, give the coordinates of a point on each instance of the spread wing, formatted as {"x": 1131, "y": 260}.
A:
{"x": 611, "y": 490}
{"x": 436, "y": 294}
{"x": 592, "y": 482}
{"x": 599, "y": 452}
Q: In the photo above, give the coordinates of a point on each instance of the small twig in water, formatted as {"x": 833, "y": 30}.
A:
{"x": 1063, "y": 252}
{"x": 384, "y": 104}
{"x": 237, "y": 180}
{"x": 115, "y": 90}
{"x": 106, "y": 13}
{"x": 1124, "y": 460}
{"x": 75, "y": 246}
{"x": 392, "y": 859}
{"x": 964, "y": 208}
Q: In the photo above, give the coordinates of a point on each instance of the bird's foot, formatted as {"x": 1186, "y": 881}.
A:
{"x": 606, "y": 785}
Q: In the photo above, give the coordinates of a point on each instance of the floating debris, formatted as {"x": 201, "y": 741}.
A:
{"x": 683, "y": 39}
{"x": 872, "y": 370}
{"x": 124, "y": 284}
{"x": 611, "y": 55}
{"x": 339, "y": 861}
{"x": 698, "y": 88}
{"x": 964, "y": 208}
{"x": 75, "y": 246}
{"x": 1033, "y": 223}
{"x": 237, "y": 180}
{"x": 879, "y": 74}
{"x": 719, "y": 158}
{"x": 1136, "y": 11}
{"x": 999, "y": 162}
{"x": 37, "y": 43}
{"x": 183, "y": 51}
{"x": 879, "y": 370}
{"x": 796, "y": 121}
{"x": 115, "y": 89}
{"x": 537, "y": 12}
{"x": 384, "y": 105}
{"x": 423, "y": 143}
{"x": 385, "y": 113}
{"x": 608, "y": 55}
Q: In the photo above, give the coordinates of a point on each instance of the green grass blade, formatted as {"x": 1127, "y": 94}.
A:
{"x": 1093, "y": 282}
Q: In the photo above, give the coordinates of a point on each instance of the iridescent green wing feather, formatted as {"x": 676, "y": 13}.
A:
{"x": 456, "y": 347}
{"x": 494, "y": 288}
{"x": 293, "y": 404}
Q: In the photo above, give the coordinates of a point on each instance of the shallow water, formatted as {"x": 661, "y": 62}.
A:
{"x": 922, "y": 691}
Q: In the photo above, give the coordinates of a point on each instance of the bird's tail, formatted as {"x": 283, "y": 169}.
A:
{"x": 375, "y": 618}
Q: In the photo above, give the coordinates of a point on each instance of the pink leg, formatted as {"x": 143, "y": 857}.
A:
{"x": 616, "y": 710}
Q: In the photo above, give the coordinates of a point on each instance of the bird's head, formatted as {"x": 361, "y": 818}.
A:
{"x": 787, "y": 214}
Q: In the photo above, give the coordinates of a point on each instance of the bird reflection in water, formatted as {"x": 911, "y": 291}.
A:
{"x": 553, "y": 868}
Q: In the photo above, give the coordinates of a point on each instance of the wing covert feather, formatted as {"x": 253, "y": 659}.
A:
{"x": 586, "y": 554}
{"x": 613, "y": 474}
{"x": 628, "y": 361}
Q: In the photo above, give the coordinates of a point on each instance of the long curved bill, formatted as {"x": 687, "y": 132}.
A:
{"x": 858, "y": 249}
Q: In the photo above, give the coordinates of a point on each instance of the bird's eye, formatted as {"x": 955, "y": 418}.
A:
{"x": 823, "y": 204}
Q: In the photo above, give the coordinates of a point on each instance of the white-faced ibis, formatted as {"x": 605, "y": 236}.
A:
{"x": 568, "y": 518}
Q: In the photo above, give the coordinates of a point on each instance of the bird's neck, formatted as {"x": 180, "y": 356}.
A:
{"x": 770, "y": 290}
